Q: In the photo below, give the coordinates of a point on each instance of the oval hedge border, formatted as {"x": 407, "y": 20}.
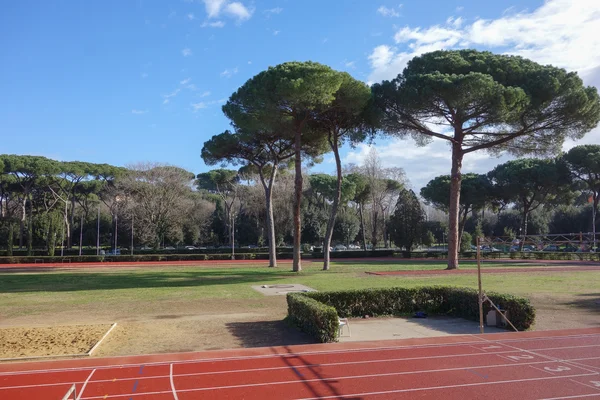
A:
{"x": 318, "y": 313}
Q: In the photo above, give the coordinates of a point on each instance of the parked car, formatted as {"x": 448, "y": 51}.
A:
{"x": 169, "y": 248}
{"x": 489, "y": 249}
{"x": 551, "y": 247}
{"x": 191, "y": 248}
{"x": 570, "y": 249}
{"x": 340, "y": 247}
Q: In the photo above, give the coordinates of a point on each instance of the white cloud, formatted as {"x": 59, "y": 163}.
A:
{"x": 389, "y": 12}
{"x": 349, "y": 64}
{"x": 186, "y": 52}
{"x": 185, "y": 81}
{"x": 139, "y": 112}
{"x": 228, "y": 73}
{"x": 144, "y": 75}
{"x": 167, "y": 97}
{"x": 249, "y": 62}
{"x": 455, "y": 22}
{"x": 235, "y": 9}
{"x": 271, "y": 11}
{"x": 198, "y": 106}
{"x": 459, "y": 8}
{"x": 205, "y": 94}
{"x": 213, "y": 7}
{"x": 215, "y": 24}
{"x": 275, "y": 33}
{"x": 560, "y": 32}
{"x": 190, "y": 16}
{"x": 239, "y": 11}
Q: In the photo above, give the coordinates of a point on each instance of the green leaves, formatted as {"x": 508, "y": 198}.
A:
{"x": 488, "y": 101}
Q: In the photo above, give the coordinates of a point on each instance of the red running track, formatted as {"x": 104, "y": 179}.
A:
{"x": 526, "y": 365}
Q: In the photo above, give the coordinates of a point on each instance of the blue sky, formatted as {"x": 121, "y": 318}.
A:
{"x": 127, "y": 81}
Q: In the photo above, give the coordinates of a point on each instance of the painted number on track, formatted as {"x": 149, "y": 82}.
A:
{"x": 491, "y": 347}
{"x": 522, "y": 357}
{"x": 560, "y": 368}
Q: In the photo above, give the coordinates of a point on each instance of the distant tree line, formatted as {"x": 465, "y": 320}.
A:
{"x": 287, "y": 117}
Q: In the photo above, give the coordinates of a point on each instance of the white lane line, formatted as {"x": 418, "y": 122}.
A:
{"x": 84, "y": 385}
{"x": 173, "y": 385}
{"x": 275, "y": 356}
{"x": 335, "y": 364}
{"x": 357, "y": 394}
{"x": 586, "y": 385}
{"x": 577, "y": 396}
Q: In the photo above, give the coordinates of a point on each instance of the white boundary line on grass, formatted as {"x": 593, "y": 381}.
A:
{"x": 89, "y": 353}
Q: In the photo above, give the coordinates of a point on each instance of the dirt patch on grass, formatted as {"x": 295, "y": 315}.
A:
{"x": 49, "y": 341}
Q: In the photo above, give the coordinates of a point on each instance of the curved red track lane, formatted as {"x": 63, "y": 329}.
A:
{"x": 526, "y": 365}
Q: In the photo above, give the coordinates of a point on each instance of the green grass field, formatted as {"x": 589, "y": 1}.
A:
{"x": 93, "y": 285}
{"x": 168, "y": 309}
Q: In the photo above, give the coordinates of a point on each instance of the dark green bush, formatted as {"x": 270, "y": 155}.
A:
{"x": 313, "y": 317}
{"x": 434, "y": 300}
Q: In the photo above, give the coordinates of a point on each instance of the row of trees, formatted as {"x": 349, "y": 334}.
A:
{"x": 42, "y": 200}
{"x": 476, "y": 101}
{"x": 562, "y": 192}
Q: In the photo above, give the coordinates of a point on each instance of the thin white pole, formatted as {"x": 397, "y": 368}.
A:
{"x": 479, "y": 282}
{"x": 81, "y": 235}
{"x": 116, "y": 231}
{"x": 98, "y": 233}
{"x": 132, "y": 234}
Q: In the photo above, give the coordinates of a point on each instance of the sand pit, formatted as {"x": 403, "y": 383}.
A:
{"x": 66, "y": 340}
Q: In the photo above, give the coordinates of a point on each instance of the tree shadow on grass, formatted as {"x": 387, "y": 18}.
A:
{"x": 586, "y": 301}
{"x": 78, "y": 281}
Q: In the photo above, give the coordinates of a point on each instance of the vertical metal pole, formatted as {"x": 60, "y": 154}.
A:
{"x": 132, "y": 234}
{"x": 98, "y": 233}
{"x": 62, "y": 247}
{"x": 233, "y": 236}
{"x": 116, "y": 231}
{"x": 479, "y": 282}
{"x": 81, "y": 235}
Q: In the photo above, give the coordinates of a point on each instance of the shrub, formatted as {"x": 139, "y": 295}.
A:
{"x": 313, "y": 317}
{"x": 315, "y": 320}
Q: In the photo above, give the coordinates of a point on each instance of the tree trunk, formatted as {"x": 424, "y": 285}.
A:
{"x": 10, "y": 239}
{"x": 594, "y": 213}
{"x": 362, "y": 226}
{"x": 525, "y": 223}
{"x": 270, "y": 219}
{"x": 374, "y": 238}
{"x": 453, "y": 224}
{"x": 22, "y": 223}
{"x": 336, "y": 202}
{"x": 71, "y": 223}
{"x": 297, "y": 264}
{"x": 30, "y": 230}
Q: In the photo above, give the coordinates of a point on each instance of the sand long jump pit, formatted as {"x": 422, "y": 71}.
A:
{"x": 25, "y": 343}
{"x": 282, "y": 289}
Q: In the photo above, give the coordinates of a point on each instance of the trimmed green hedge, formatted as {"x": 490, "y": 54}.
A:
{"x": 434, "y": 300}
{"x": 313, "y": 317}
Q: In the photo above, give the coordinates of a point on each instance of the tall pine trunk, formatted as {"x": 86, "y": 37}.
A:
{"x": 30, "y": 230}
{"x": 297, "y": 264}
{"x": 362, "y": 226}
{"x": 269, "y": 211}
{"x": 453, "y": 223}
{"x": 333, "y": 142}
{"x": 10, "y": 240}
